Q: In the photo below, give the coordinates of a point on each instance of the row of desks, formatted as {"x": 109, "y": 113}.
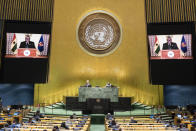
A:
{"x": 142, "y": 124}
{"x": 49, "y": 122}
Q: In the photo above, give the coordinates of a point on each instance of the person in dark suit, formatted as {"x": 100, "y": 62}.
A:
{"x": 109, "y": 116}
{"x": 88, "y": 84}
{"x": 112, "y": 123}
{"x": 108, "y": 84}
{"x": 27, "y": 43}
{"x": 169, "y": 44}
{"x": 132, "y": 120}
{"x": 63, "y": 124}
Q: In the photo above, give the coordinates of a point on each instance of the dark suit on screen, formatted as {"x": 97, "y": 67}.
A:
{"x": 167, "y": 46}
{"x": 24, "y": 44}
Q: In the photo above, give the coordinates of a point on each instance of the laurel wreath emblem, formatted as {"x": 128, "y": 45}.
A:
{"x": 99, "y": 45}
{"x": 99, "y": 33}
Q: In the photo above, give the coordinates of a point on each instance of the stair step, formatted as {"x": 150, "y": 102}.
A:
{"x": 59, "y": 103}
{"x": 25, "y": 119}
{"x": 148, "y": 107}
{"x": 137, "y": 104}
{"x": 28, "y": 116}
{"x": 30, "y": 113}
{"x": 56, "y": 105}
{"x": 141, "y": 106}
{"x": 164, "y": 115}
{"x": 166, "y": 118}
{"x": 52, "y": 106}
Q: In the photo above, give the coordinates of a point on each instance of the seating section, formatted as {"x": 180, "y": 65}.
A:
{"x": 80, "y": 123}
{"x": 142, "y": 123}
{"x": 183, "y": 118}
{"x": 13, "y": 120}
{"x": 12, "y": 116}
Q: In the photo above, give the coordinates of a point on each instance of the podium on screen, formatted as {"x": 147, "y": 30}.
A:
{"x": 170, "y": 54}
{"x": 26, "y": 52}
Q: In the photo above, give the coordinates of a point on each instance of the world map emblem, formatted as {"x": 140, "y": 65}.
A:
{"x": 99, "y": 33}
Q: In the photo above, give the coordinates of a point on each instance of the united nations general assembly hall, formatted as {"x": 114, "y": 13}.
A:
{"x": 97, "y": 65}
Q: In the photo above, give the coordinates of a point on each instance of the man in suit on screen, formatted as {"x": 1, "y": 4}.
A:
{"x": 169, "y": 45}
{"x": 27, "y": 43}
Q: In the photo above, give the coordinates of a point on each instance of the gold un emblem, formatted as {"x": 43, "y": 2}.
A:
{"x": 99, "y": 33}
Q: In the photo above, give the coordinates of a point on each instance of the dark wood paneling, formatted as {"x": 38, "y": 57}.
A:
{"x": 27, "y": 10}
{"x": 159, "y": 11}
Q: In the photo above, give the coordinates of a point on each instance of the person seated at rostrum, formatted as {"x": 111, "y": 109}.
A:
{"x": 108, "y": 84}
{"x": 132, "y": 120}
{"x": 88, "y": 83}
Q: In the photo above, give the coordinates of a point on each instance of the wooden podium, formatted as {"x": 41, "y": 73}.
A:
{"x": 170, "y": 54}
{"x": 26, "y": 52}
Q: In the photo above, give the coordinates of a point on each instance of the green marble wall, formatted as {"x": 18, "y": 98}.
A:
{"x": 98, "y": 92}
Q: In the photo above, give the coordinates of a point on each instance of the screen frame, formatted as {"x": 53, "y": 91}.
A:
{"x": 41, "y": 64}
{"x": 12, "y": 56}
{"x": 150, "y": 55}
{"x": 170, "y": 28}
